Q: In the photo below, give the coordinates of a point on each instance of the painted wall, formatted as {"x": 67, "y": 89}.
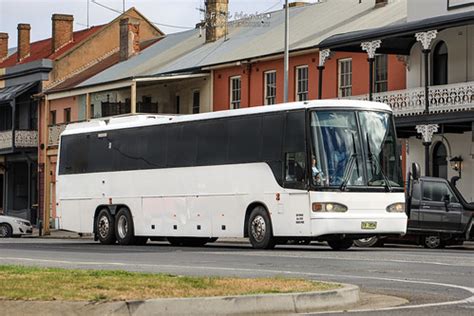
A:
{"x": 60, "y": 105}
{"x": 252, "y": 90}
{"x": 460, "y": 43}
{"x": 456, "y": 145}
{"x": 422, "y": 9}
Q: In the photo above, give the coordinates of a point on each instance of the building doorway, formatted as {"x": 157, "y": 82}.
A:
{"x": 440, "y": 161}
{"x": 440, "y": 64}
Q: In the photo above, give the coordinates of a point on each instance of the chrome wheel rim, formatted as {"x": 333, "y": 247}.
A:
{"x": 258, "y": 228}
{"x": 3, "y": 231}
{"x": 122, "y": 227}
{"x": 366, "y": 240}
{"x": 432, "y": 241}
{"x": 104, "y": 226}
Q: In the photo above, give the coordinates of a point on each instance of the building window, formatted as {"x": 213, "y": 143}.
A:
{"x": 270, "y": 87}
{"x": 345, "y": 77}
{"x": 235, "y": 92}
{"x": 196, "y": 101}
{"x": 302, "y": 83}
{"x": 178, "y": 103}
{"x": 381, "y": 73}
{"x": 67, "y": 115}
{"x": 52, "y": 118}
{"x": 440, "y": 64}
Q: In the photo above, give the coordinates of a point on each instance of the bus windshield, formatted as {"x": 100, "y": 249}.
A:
{"x": 354, "y": 149}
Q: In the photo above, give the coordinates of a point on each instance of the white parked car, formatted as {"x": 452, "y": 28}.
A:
{"x": 14, "y": 226}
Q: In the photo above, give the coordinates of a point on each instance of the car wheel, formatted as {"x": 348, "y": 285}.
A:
{"x": 124, "y": 228}
{"x": 105, "y": 227}
{"x": 260, "y": 229}
{"x": 433, "y": 242}
{"x": 342, "y": 244}
{"x": 6, "y": 231}
{"x": 368, "y": 242}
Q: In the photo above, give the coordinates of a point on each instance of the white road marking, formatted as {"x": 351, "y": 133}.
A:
{"x": 267, "y": 254}
{"x": 469, "y": 300}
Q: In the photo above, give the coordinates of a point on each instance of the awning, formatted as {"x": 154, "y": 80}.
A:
{"x": 9, "y": 93}
{"x": 397, "y": 38}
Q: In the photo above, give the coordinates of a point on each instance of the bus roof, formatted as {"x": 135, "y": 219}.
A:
{"x": 129, "y": 121}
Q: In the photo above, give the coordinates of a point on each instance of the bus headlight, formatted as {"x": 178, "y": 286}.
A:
{"x": 396, "y": 208}
{"x": 329, "y": 207}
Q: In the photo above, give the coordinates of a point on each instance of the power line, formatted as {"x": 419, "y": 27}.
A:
{"x": 155, "y": 23}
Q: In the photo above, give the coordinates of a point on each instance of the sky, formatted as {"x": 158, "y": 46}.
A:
{"x": 181, "y": 14}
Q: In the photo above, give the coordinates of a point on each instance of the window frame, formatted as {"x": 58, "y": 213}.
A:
{"x": 52, "y": 118}
{"x": 234, "y": 103}
{"x": 266, "y": 87}
{"x": 298, "y": 93}
{"x": 340, "y": 87}
{"x": 381, "y": 82}
{"x": 193, "y": 104}
{"x": 67, "y": 115}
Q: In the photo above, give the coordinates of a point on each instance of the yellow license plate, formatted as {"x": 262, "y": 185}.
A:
{"x": 368, "y": 225}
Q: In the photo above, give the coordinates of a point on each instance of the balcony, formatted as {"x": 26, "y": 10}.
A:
{"x": 18, "y": 139}
{"x": 446, "y": 98}
{"x": 54, "y": 133}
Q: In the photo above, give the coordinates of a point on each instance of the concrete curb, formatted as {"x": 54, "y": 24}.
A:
{"x": 228, "y": 305}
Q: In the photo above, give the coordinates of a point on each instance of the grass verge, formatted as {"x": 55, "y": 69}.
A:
{"x": 50, "y": 284}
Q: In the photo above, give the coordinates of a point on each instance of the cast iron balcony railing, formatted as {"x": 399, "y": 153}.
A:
{"x": 18, "y": 139}
{"x": 444, "y": 98}
{"x": 54, "y": 133}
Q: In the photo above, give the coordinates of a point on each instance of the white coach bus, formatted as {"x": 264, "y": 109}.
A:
{"x": 319, "y": 170}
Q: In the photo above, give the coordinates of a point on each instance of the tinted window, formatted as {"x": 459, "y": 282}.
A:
{"x": 272, "y": 132}
{"x": 436, "y": 191}
{"x": 212, "y": 144}
{"x": 245, "y": 139}
{"x": 295, "y": 132}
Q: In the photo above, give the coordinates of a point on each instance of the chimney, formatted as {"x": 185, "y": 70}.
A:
{"x": 3, "y": 46}
{"x": 62, "y": 30}
{"x": 216, "y": 19}
{"x": 23, "y": 49}
{"x": 129, "y": 38}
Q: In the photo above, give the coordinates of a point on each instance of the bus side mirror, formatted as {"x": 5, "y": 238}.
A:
{"x": 415, "y": 171}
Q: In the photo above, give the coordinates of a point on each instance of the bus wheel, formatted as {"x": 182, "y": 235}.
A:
{"x": 342, "y": 244}
{"x": 260, "y": 229}
{"x": 105, "y": 227}
{"x": 124, "y": 231}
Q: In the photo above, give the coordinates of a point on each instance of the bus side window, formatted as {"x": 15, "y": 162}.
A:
{"x": 295, "y": 167}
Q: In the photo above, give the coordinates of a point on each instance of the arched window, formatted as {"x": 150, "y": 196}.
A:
{"x": 440, "y": 162}
{"x": 440, "y": 64}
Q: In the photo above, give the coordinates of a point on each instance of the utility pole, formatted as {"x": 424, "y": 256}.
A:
{"x": 123, "y": 6}
{"x": 287, "y": 59}
{"x": 88, "y": 1}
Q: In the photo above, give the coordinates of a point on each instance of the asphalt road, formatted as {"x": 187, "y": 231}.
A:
{"x": 436, "y": 282}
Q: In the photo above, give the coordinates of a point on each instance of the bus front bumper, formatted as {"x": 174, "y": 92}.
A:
{"x": 370, "y": 225}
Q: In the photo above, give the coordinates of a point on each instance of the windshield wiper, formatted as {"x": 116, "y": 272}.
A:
{"x": 373, "y": 158}
{"x": 349, "y": 166}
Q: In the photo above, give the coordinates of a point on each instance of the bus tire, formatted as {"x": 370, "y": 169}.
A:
{"x": 105, "y": 227}
{"x": 260, "y": 229}
{"x": 124, "y": 228}
{"x": 341, "y": 244}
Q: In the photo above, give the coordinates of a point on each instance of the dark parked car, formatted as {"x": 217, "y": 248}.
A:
{"x": 438, "y": 215}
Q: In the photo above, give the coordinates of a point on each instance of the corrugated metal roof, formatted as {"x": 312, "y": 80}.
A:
{"x": 9, "y": 93}
{"x": 309, "y": 25}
